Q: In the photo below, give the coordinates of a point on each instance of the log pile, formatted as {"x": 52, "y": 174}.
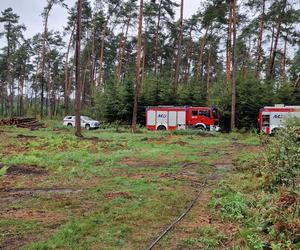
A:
{"x": 22, "y": 122}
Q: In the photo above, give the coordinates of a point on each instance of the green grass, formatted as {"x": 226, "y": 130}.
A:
{"x": 206, "y": 238}
{"x": 130, "y": 193}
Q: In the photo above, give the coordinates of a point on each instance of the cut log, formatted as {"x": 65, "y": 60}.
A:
{"x": 23, "y": 122}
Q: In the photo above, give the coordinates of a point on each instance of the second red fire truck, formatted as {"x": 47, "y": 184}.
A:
{"x": 181, "y": 118}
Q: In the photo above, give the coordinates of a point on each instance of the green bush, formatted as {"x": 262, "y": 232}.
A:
{"x": 279, "y": 164}
{"x": 230, "y": 203}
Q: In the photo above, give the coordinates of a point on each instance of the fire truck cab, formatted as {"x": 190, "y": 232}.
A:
{"x": 272, "y": 118}
{"x": 181, "y": 118}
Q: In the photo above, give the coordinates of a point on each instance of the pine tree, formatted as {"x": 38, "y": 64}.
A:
{"x": 138, "y": 68}
{"x": 77, "y": 70}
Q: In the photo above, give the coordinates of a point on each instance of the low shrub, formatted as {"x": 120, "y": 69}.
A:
{"x": 279, "y": 164}
{"x": 230, "y": 203}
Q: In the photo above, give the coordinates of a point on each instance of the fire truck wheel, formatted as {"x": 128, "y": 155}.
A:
{"x": 161, "y": 127}
{"x": 275, "y": 131}
{"x": 200, "y": 127}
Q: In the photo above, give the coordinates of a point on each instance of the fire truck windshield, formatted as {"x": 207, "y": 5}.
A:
{"x": 215, "y": 113}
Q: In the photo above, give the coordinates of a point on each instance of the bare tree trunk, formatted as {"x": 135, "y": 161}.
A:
{"x": 157, "y": 38}
{"x": 259, "y": 41}
{"x": 177, "y": 70}
{"x": 189, "y": 53}
{"x": 83, "y": 85}
{"x": 272, "y": 42}
{"x": 77, "y": 71}
{"x": 22, "y": 96}
{"x": 10, "y": 80}
{"x": 283, "y": 63}
{"x": 229, "y": 47}
{"x": 274, "y": 50}
{"x": 100, "y": 76}
{"x": 233, "y": 89}
{"x": 297, "y": 81}
{"x": 246, "y": 60}
{"x": 209, "y": 70}
{"x": 144, "y": 58}
{"x": 138, "y": 68}
{"x": 122, "y": 47}
{"x": 199, "y": 70}
{"x": 49, "y": 80}
{"x": 66, "y": 89}
{"x": 45, "y": 38}
{"x": 118, "y": 68}
{"x": 18, "y": 99}
{"x": 57, "y": 103}
{"x": 11, "y": 99}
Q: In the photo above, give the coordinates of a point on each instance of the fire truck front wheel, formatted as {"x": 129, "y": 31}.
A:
{"x": 161, "y": 127}
{"x": 200, "y": 127}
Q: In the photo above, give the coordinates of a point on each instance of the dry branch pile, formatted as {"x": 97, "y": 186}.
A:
{"x": 22, "y": 122}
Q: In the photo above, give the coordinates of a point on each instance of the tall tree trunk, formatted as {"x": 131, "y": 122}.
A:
{"x": 118, "y": 71}
{"x": 45, "y": 38}
{"x": 234, "y": 66}
{"x": 271, "y": 48}
{"x": 21, "y": 96}
{"x": 49, "y": 81}
{"x": 100, "y": 76}
{"x": 177, "y": 70}
{"x": 246, "y": 59}
{"x": 66, "y": 87}
{"x": 189, "y": 53}
{"x": 144, "y": 58}
{"x": 259, "y": 41}
{"x": 83, "y": 84}
{"x": 138, "y": 68}
{"x": 283, "y": 63}
{"x": 10, "y": 79}
{"x": 157, "y": 38}
{"x": 77, "y": 71}
{"x": 297, "y": 82}
{"x": 199, "y": 70}
{"x": 209, "y": 69}
{"x": 93, "y": 63}
{"x": 11, "y": 99}
{"x": 229, "y": 46}
{"x": 274, "y": 50}
{"x": 123, "y": 42}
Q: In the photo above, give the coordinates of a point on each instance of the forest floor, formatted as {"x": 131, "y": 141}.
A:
{"x": 115, "y": 190}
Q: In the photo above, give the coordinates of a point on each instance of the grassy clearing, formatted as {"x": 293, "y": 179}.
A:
{"x": 128, "y": 186}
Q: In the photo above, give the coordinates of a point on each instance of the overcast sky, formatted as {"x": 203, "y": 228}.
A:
{"x": 30, "y": 13}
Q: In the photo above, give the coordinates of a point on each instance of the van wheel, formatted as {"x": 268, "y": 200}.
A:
{"x": 70, "y": 125}
{"x": 161, "y": 127}
{"x": 87, "y": 127}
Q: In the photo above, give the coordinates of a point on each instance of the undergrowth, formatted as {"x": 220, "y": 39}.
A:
{"x": 264, "y": 194}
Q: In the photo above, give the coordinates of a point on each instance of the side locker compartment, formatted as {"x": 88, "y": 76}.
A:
{"x": 172, "y": 120}
{"x": 151, "y": 119}
{"x": 181, "y": 120}
{"x": 162, "y": 119}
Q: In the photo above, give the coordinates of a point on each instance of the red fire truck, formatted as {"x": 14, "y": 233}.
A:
{"x": 272, "y": 118}
{"x": 180, "y": 118}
